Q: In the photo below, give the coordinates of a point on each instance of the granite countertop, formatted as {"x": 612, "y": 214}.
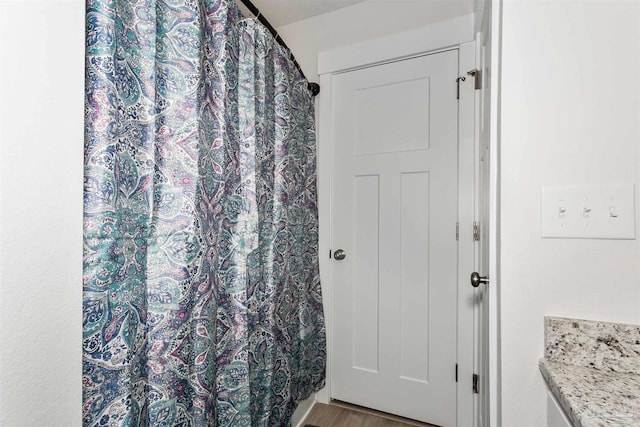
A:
{"x": 593, "y": 369}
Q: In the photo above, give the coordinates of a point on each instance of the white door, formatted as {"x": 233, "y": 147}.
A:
{"x": 395, "y": 207}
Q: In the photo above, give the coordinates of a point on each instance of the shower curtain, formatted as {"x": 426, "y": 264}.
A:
{"x": 202, "y": 302}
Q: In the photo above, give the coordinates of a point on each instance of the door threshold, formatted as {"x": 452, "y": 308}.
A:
{"x": 379, "y": 414}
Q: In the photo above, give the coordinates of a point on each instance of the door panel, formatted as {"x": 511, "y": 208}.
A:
{"x": 366, "y": 288}
{"x": 395, "y": 195}
{"x": 414, "y": 276}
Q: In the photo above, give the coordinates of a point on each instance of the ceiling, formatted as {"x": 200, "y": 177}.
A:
{"x": 283, "y": 12}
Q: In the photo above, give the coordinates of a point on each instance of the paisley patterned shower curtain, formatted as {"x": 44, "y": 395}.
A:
{"x": 202, "y": 302}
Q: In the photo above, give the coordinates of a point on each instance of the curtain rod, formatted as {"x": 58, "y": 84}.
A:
{"x": 313, "y": 87}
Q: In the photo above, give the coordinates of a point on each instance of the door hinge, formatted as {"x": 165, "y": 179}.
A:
{"x": 458, "y": 80}
{"x": 457, "y": 231}
{"x": 477, "y": 75}
{"x": 456, "y": 372}
{"x": 476, "y": 232}
{"x": 476, "y": 387}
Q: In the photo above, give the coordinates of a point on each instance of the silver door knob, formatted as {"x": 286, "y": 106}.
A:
{"x": 339, "y": 255}
{"x": 476, "y": 279}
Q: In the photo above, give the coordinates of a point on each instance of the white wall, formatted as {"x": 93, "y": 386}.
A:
{"x": 570, "y": 116}
{"x": 41, "y": 135}
{"x": 364, "y": 21}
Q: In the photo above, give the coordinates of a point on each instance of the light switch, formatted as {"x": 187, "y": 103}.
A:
{"x": 561, "y": 211}
{"x": 589, "y": 212}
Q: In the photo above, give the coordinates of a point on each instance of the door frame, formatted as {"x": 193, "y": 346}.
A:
{"x": 452, "y": 34}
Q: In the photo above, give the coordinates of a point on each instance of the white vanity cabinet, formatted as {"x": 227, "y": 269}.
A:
{"x": 555, "y": 415}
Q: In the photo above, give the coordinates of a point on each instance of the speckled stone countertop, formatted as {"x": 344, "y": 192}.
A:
{"x": 593, "y": 369}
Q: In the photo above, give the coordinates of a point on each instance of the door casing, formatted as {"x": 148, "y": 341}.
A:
{"x": 452, "y": 34}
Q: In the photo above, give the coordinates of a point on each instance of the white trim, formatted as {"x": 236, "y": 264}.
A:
{"x": 325, "y": 171}
{"x": 477, "y": 214}
{"x": 450, "y": 33}
{"x": 495, "y": 363}
{"x": 301, "y": 414}
{"x": 467, "y": 253}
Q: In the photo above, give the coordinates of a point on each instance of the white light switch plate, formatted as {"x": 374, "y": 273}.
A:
{"x": 589, "y": 212}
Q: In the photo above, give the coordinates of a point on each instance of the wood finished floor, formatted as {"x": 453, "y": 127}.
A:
{"x": 339, "y": 414}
